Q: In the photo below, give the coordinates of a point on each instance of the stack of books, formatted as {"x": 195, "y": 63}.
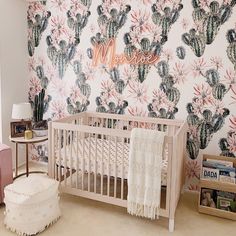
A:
{"x": 219, "y": 170}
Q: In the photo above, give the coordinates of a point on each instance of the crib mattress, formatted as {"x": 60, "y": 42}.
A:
{"x": 100, "y": 156}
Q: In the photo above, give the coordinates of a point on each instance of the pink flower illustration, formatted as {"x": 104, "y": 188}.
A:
{"x": 198, "y": 67}
{"x": 233, "y": 88}
{"x": 61, "y": 5}
{"x": 155, "y": 32}
{"x": 129, "y": 74}
{"x": 140, "y": 20}
{"x": 59, "y": 30}
{"x": 78, "y": 7}
{"x": 193, "y": 169}
{"x": 146, "y": 2}
{"x": 34, "y": 9}
{"x": 233, "y": 123}
{"x": 230, "y": 77}
{"x": 34, "y": 88}
{"x": 89, "y": 71}
{"x": 218, "y": 106}
{"x": 180, "y": 72}
{"x": 160, "y": 98}
{"x": 197, "y": 106}
{"x": 232, "y": 142}
{"x": 59, "y": 87}
{"x": 217, "y": 62}
{"x": 137, "y": 111}
{"x": 108, "y": 88}
{"x": 135, "y": 35}
{"x": 204, "y": 3}
{"x": 203, "y": 93}
{"x": 58, "y": 109}
{"x": 138, "y": 91}
{"x": 107, "y": 5}
{"x": 167, "y": 54}
{"x": 31, "y": 63}
{"x": 76, "y": 95}
{"x": 185, "y": 23}
{"x": 226, "y": 2}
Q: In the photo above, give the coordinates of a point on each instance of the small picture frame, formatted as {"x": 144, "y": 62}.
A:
{"x": 18, "y": 128}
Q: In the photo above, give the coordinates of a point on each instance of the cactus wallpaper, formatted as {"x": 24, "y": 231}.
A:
{"x": 194, "y": 78}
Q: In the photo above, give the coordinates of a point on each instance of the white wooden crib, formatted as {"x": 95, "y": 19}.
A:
{"x": 88, "y": 154}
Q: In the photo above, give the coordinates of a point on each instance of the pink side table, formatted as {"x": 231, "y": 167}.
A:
{"x": 6, "y": 173}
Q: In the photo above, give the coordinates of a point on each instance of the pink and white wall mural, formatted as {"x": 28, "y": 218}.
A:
{"x": 194, "y": 78}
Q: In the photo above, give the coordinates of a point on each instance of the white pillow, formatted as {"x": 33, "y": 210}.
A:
{"x": 31, "y": 189}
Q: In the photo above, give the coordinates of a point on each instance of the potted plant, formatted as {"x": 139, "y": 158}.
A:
{"x": 40, "y": 126}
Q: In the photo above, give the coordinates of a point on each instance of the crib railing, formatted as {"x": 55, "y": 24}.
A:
{"x": 101, "y": 141}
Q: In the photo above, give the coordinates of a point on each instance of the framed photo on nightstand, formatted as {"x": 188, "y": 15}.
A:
{"x": 18, "y": 128}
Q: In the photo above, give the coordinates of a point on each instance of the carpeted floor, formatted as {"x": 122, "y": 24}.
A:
{"x": 83, "y": 217}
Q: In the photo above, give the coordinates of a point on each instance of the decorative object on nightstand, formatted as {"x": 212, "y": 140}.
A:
{"x": 22, "y": 113}
{"x": 22, "y": 140}
{"x": 218, "y": 187}
{"x": 40, "y": 126}
{"x": 32, "y": 204}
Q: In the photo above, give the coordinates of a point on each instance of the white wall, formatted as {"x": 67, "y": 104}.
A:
{"x": 13, "y": 60}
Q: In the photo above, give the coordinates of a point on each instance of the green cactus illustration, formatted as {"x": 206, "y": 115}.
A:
{"x": 162, "y": 69}
{"x": 209, "y": 20}
{"x": 192, "y": 120}
{"x": 204, "y": 134}
{"x": 192, "y": 148}
{"x": 181, "y": 53}
{"x": 207, "y": 115}
{"x": 173, "y": 95}
{"x": 120, "y": 86}
{"x": 231, "y": 49}
{"x": 38, "y": 108}
{"x": 224, "y": 147}
{"x": 36, "y": 26}
{"x": 84, "y": 88}
{"x": 196, "y": 42}
{"x": 143, "y": 70}
{"x": 212, "y": 76}
{"x": 111, "y": 23}
{"x": 211, "y": 27}
{"x": 166, "y": 18}
{"x": 218, "y": 91}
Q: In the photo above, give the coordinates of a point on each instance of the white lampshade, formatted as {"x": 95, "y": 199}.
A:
{"x": 21, "y": 111}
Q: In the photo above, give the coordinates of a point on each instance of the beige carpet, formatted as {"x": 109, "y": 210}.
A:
{"x": 83, "y": 217}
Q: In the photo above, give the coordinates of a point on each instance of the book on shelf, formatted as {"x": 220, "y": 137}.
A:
{"x": 219, "y": 172}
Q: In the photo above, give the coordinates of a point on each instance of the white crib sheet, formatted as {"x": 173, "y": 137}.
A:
{"x": 100, "y": 162}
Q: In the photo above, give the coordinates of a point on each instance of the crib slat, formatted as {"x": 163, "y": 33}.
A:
{"x": 71, "y": 167}
{"x": 83, "y": 157}
{"x": 115, "y": 166}
{"x": 78, "y": 155}
{"x": 59, "y": 154}
{"x": 102, "y": 165}
{"x": 65, "y": 157}
{"x": 95, "y": 164}
{"x": 89, "y": 160}
{"x": 122, "y": 170}
{"x": 108, "y": 167}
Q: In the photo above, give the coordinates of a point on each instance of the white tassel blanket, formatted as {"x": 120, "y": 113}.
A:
{"x": 144, "y": 175}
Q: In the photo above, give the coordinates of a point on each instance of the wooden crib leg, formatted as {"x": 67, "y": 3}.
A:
{"x": 171, "y": 225}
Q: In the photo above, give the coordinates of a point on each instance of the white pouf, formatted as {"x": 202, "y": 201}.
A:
{"x": 32, "y": 204}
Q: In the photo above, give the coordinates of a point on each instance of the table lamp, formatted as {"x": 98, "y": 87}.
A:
{"x": 21, "y": 112}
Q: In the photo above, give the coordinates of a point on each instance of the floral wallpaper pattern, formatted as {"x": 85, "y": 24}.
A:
{"x": 194, "y": 78}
